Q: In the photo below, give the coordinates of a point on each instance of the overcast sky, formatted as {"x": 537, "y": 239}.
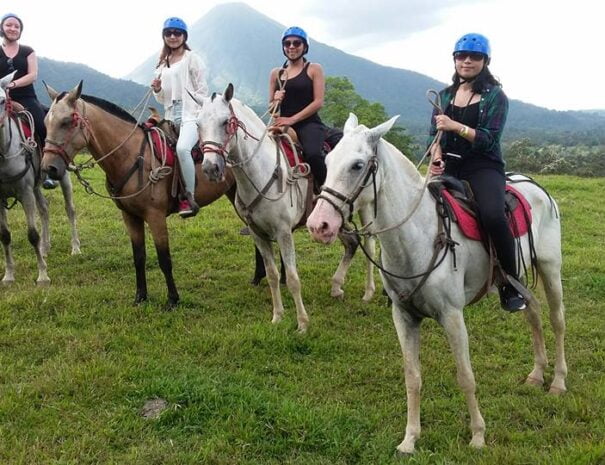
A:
{"x": 544, "y": 52}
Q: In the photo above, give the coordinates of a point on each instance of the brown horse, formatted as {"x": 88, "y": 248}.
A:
{"x": 120, "y": 147}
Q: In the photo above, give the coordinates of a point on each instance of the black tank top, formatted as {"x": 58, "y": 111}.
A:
{"x": 299, "y": 94}
{"x": 468, "y": 116}
{"x": 19, "y": 63}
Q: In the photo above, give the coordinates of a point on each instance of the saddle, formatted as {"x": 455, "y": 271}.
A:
{"x": 167, "y": 145}
{"x": 333, "y": 136}
{"x": 459, "y": 205}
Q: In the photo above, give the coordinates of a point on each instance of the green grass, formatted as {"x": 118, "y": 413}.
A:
{"x": 79, "y": 361}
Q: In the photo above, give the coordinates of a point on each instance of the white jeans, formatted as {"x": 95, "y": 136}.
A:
{"x": 187, "y": 138}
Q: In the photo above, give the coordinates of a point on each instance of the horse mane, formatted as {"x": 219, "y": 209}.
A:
{"x": 109, "y": 107}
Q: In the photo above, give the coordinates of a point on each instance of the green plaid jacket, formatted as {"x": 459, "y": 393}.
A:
{"x": 493, "y": 110}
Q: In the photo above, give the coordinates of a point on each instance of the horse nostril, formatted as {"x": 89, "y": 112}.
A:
{"x": 323, "y": 227}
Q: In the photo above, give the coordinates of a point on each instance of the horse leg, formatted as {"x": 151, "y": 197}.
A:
{"x": 136, "y": 231}
{"x": 266, "y": 251}
{"x": 338, "y": 279}
{"x": 551, "y": 279}
{"x": 42, "y": 205}
{"x": 68, "y": 197}
{"x": 288, "y": 254}
{"x": 408, "y": 332}
{"x": 29, "y": 206}
{"x": 159, "y": 231}
{"x": 259, "y": 269}
{"x": 453, "y": 323}
{"x": 5, "y": 237}
{"x": 532, "y": 314}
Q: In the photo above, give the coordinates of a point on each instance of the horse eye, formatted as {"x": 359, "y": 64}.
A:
{"x": 358, "y": 165}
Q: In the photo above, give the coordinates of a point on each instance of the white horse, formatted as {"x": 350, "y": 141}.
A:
{"x": 20, "y": 179}
{"x": 270, "y": 196}
{"x": 407, "y": 249}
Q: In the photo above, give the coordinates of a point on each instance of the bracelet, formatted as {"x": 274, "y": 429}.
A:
{"x": 463, "y": 131}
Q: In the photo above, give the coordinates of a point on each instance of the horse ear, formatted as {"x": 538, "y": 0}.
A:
{"x": 75, "y": 93}
{"x": 351, "y": 123}
{"x": 228, "y": 94}
{"x": 380, "y": 130}
{"x": 52, "y": 93}
{"x": 7, "y": 79}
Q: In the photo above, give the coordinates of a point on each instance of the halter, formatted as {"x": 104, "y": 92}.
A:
{"x": 233, "y": 124}
{"x": 78, "y": 121}
{"x": 349, "y": 200}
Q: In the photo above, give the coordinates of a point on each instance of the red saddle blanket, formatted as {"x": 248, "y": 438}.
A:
{"x": 287, "y": 149}
{"x": 519, "y": 220}
{"x": 27, "y": 131}
{"x": 160, "y": 146}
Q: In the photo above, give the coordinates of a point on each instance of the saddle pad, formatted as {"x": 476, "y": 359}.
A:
{"x": 287, "y": 149}
{"x": 27, "y": 131}
{"x": 519, "y": 220}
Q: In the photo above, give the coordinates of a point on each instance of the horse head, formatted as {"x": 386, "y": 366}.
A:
{"x": 65, "y": 126}
{"x": 352, "y": 179}
{"x": 216, "y": 130}
{"x": 4, "y": 82}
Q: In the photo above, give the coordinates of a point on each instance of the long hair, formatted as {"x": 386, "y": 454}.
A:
{"x": 165, "y": 55}
{"x": 484, "y": 78}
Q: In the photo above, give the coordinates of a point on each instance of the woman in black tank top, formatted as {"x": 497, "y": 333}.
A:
{"x": 301, "y": 98}
{"x": 475, "y": 113}
{"x": 22, "y": 59}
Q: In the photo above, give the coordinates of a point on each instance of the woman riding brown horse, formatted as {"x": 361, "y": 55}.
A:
{"x": 120, "y": 148}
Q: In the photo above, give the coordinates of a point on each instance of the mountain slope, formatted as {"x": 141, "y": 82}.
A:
{"x": 65, "y": 76}
{"x": 240, "y": 45}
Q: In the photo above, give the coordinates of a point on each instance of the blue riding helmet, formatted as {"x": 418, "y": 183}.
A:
{"x": 473, "y": 43}
{"x": 295, "y": 31}
{"x": 175, "y": 23}
{"x": 5, "y": 17}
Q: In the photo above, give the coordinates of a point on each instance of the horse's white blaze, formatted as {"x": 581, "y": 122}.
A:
{"x": 407, "y": 250}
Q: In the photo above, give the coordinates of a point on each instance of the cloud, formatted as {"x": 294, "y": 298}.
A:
{"x": 355, "y": 24}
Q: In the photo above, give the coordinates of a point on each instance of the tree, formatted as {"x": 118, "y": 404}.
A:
{"x": 341, "y": 99}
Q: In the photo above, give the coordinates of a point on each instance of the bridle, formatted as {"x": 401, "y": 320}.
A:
{"x": 78, "y": 122}
{"x": 231, "y": 128}
{"x": 349, "y": 199}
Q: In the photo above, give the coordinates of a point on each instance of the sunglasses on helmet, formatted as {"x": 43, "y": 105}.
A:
{"x": 474, "y": 56}
{"x": 173, "y": 32}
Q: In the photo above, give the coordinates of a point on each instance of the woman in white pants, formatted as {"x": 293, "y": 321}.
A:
{"x": 180, "y": 72}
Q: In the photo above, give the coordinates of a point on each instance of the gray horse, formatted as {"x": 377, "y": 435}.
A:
{"x": 20, "y": 180}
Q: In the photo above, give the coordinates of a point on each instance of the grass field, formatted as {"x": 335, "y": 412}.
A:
{"x": 79, "y": 361}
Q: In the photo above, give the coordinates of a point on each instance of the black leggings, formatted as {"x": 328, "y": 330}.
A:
{"x": 488, "y": 185}
{"x": 32, "y": 105}
{"x": 311, "y": 136}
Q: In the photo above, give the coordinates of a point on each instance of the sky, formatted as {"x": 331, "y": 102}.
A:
{"x": 543, "y": 51}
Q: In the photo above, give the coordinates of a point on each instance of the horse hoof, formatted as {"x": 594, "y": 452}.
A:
{"x": 557, "y": 391}
{"x": 478, "y": 442}
{"x": 534, "y": 381}
{"x": 75, "y": 251}
{"x": 256, "y": 280}
{"x": 139, "y": 299}
{"x": 171, "y": 305}
{"x": 337, "y": 293}
{"x": 367, "y": 297}
{"x": 43, "y": 282}
{"x": 8, "y": 282}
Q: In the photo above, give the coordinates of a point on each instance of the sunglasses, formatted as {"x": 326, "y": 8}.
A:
{"x": 292, "y": 43}
{"x": 11, "y": 66}
{"x": 474, "y": 56}
{"x": 173, "y": 32}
